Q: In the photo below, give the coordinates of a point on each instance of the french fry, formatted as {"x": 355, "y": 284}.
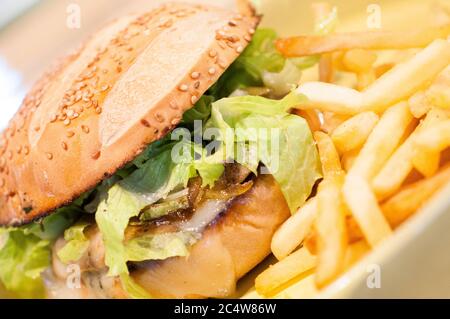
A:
{"x": 331, "y": 120}
{"x": 426, "y": 161}
{"x": 353, "y": 230}
{"x": 397, "y": 84}
{"x": 382, "y": 141}
{"x": 359, "y": 61}
{"x": 382, "y": 69}
{"x": 408, "y": 200}
{"x": 331, "y": 164}
{"x": 310, "y": 241}
{"x": 408, "y": 77}
{"x": 365, "y": 80}
{"x": 294, "y": 230}
{"x": 330, "y": 225}
{"x": 348, "y": 159}
{"x": 355, "y": 252}
{"x": 436, "y": 138}
{"x": 364, "y": 206}
{"x": 353, "y": 133}
{"x": 378, "y": 40}
{"x": 419, "y": 104}
{"x": 283, "y": 271}
{"x": 331, "y": 98}
{"x": 326, "y": 72}
{"x": 311, "y": 117}
{"x": 428, "y": 145}
{"x": 399, "y": 165}
{"x": 438, "y": 94}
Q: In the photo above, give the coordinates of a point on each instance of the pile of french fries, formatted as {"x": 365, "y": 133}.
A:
{"x": 384, "y": 157}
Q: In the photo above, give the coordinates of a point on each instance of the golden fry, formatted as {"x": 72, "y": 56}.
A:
{"x": 280, "y": 273}
{"x": 364, "y": 207}
{"x": 331, "y": 164}
{"x": 331, "y": 230}
{"x": 408, "y": 200}
{"x": 399, "y": 165}
{"x": 294, "y": 230}
{"x": 353, "y": 133}
{"x": 378, "y": 40}
{"x": 382, "y": 141}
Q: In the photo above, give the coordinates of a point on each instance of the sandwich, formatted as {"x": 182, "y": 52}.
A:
{"x": 156, "y": 161}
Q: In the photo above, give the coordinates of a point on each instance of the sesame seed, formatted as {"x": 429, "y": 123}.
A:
{"x": 36, "y": 128}
{"x": 222, "y": 45}
{"x": 247, "y": 38}
{"x": 159, "y": 117}
{"x": 85, "y": 129}
{"x": 96, "y": 155}
{"x": 49, "y": 156}
{"x": 239, "y": 49}
{"x": 19, "y": 149}
{"x": 173, "y": 105}
{"x": 145, "y": 123}
{"x": 194, "y": 99}
{"x": 197, "y": 84}
{"x": 70, "y": 113}
{"x": 195, "y": 75}
{"x": 26, "y": 150}
{"x": 98, "y": 110}
{"x": 232, "y": 23}
{"x": 67, "y": 122}
{"x": 212, "y": 71}
{"x": 183, "y": 88}
{"x": 251, "y": 31}
{"x": 212, "y": 53}
{"x": 104, "y": 88}
{"x": 69, "y": 134}
{"x": 64, "y": 146}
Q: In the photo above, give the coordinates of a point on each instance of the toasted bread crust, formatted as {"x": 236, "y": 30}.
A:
{"x": 125, "y": 88}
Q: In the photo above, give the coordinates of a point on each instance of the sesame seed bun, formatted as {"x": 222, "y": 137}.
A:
{"x": 126, "y": 87}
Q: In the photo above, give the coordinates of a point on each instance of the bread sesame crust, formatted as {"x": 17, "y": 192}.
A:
{"x": 100, "y": 107}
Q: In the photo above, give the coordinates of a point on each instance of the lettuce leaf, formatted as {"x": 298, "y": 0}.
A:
{"x": 77, "y": 243}
{"x": 25, "y": 252}
{"x": 23, "y": 257}
{"x": 159, "y": 246}
{"x": 295, "y": 163}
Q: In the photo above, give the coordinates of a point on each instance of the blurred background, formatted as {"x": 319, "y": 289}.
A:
{"x": 33, "y": 33}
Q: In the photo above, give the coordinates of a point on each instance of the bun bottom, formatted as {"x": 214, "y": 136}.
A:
{"x": 228, "y": 249}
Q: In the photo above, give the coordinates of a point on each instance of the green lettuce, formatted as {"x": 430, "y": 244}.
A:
{"x": 25, "y": 252}
{"x": 77, "y": 243}
{"x": 23, "y": 257}
{"x": 295, "y": 163}
{"x": 159, "y": 246}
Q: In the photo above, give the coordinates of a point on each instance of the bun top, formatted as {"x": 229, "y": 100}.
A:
{"x": 101, "y": 106}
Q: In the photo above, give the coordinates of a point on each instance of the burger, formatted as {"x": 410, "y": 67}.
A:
{"x": 156, "y": 161}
